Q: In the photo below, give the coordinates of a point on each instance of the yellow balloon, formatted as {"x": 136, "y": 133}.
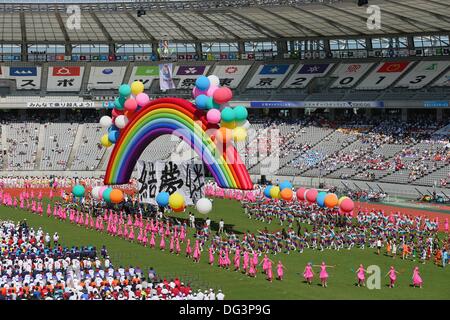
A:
{"x": 228, "y": 125}
{"x": 341, "y": 199}
{"x": 176, "y": 200}
{"x": 239, "y": 134}
{"x": 275, "y": 192}
{"x": 137, "y": 87}
{"x": 105, "y": 141}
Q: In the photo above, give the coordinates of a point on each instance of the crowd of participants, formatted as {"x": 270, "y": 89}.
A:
{"x": 36, "y": 266}
{"x": 309, "y": 226}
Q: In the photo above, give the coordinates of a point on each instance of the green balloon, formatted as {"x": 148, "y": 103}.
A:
{"x": 240, "y": 113}
{"x": 107, "y": 194}
{"x": 78, "y": 191}
{"x": 124, "y": 90}
{"x": 228, "y": 114}
{"x": 118, "y": 104}
{"x": 210, "y": 103}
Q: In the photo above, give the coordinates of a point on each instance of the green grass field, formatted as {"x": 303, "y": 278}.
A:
{"x": 341, "y": 284}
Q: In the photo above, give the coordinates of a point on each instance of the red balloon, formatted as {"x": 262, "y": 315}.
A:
{"x": 301, "y": 193}
{"x": 116, "y": 112}
{"x": 222, "y": 95}
{"x": 130, "y": 105}
{"x": 311, "y": 195}
{"x": 347, "y": 205}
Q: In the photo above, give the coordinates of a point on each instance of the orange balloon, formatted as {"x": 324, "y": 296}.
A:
{"x": 180, "y": 209}
{"x": 224, "y": 134}
{"x": 286, "y": 194}
{"x": 116, "y": 196}
{"x": 331, "y": 200}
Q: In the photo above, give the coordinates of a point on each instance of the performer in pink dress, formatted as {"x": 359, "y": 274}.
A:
{"x": 162, "y": 243}
{"x": 308, "y": 273}
{"x": 269, "y": 270}
{"x": 152, "y": 240}
{"x": 416, "y": 278}
{"x": 246, "y": 261}
{"x": 361, "y": 275}
{"x": 280, "y": 270}
{"x": 188, "y": 248}
{"x": 211, "y": 256}
{"x": 323, "y": 275}
{"x": 392, "y": 277}
{"x": 177, "y": 245}
{"x": 237, "y": 259}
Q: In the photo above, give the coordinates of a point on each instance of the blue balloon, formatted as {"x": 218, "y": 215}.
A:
{"x": 202, "y": 83}
{"x": 285, "y": 185}
{"x": 321, "y": 199}
{"x": 267, "y": 191}
{"x": 113, "y": 136}
{"x": 113, "y": 128}
{"x": 202, "y": 101}
{"x": 162, "y": 199}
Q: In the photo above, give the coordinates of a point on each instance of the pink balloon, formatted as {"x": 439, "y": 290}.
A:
{"x": 196, "y": 92}
{"x": 213, "y": 116}
{"x": 130, "y": 105}
{"x": 222, "y": 95}
{"x": 311, "y": 195}
{"x": 142, "y": 99}
{"x": 100, "y": 192}
{"x": 301, "y": 194}
{"x": 211, "y": 90}
{"x": 347, "y": 205}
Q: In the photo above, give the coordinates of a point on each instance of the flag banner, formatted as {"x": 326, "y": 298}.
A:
{"x": 385, "y": 74}
{"x": 305, "y": 73}
{"x": 65, "y": 78}
{"x": 422, "y": 74}
{"x": 186, "y": 178}
{"x": 188, "y": 75}
{"x": 231, "y": 75}
{"x": 106, "y": 77}
{"x": 27, "y": 78}
{"x": 443, "y": 81}
{"x": 348, "y": 74}
{"x": 144, "y": 74}
{"x": 165, "y": 76}
{"x": 269, "y": 76}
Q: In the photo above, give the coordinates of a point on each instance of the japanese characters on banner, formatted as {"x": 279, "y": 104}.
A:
{"x": 144, "y": 74}
{"x": 186, "y": 178}
{"x": 231, "y": 75}
{"x": 269, "y": 76}
{"x": 64, "y": 78}
{"x": 188, "y": 75}
{"x": 422, "y": 74}
{"x": 443, "y": 81}
{"x": 27, "y": 78}
{"x": 348, "y": 74}
{"x": 305, "y": 73}
{"x": 384, "y": 75}
{"x": 106, "y": 77}
{"x": 61, "y": 105}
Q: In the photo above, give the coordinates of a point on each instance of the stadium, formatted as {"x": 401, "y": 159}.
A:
{"x": 216, "y": 150}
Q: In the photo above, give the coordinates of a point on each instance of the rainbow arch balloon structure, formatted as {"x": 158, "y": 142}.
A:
{"x": 182, "y": 118}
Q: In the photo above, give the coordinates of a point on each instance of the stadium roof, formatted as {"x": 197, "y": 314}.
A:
{"x": 217, "y": 20}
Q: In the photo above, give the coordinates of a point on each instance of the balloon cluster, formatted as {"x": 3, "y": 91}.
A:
{"x": 283, "y": 191}
{"x": 324, "y": 199}
{"x": 107, "y": 194}
{"x": 209, "y": 95}
{"x": 130, "y": 99}
{"x": 176, "y": 202}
